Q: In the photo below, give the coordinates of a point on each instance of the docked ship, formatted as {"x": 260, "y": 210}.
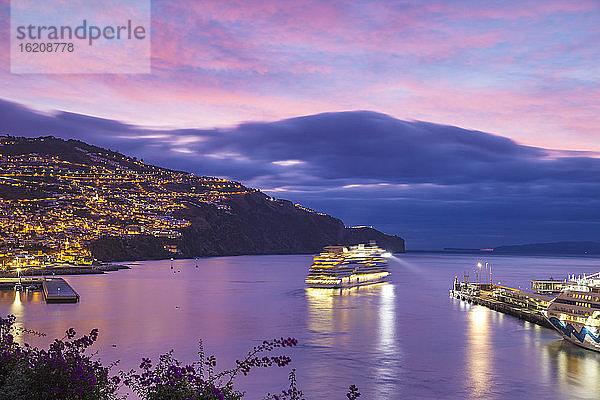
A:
{"x": 342, "y": 267}
{"x": 575, "y": 312}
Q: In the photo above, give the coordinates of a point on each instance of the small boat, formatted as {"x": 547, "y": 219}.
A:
{"x": 342, "y": 267}
{"x": 18, "y": 287}
{"x": 575, "y": 312}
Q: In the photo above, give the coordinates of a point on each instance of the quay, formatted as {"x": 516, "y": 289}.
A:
{"x": 522, "y": 304}
{"x": 55, "y": 290}
{"x": 9, "y": 283}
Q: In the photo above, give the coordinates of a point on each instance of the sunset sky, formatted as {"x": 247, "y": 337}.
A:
{"x": 229, "y": 77}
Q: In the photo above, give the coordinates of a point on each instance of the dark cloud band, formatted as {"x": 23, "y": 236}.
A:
{"x": 369, "y": 168}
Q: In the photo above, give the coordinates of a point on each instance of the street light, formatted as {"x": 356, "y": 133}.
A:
{"x": 19, "y": 274}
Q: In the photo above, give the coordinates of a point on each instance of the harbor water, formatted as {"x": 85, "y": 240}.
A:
{"x": 403, "y": 339}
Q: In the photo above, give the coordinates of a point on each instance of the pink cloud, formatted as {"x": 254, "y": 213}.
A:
{"x": 467, "y": 64}
{"x": 504, "y": 10}
{"x": 546, "y": 117}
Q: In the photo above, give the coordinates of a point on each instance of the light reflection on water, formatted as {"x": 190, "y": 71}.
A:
{"x": 390, "y": 354}
{"x": 576, "y": 370}
{"x": 16, "y": 305}
{"x": 479, "y": 353}
{"x": 340, "y": 318}
{"x": 17, "y": 308}
{"x": 402, "y": 339}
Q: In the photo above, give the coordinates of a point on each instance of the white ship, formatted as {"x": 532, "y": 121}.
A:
{"x": 575, "y": 312}
{"x": 340, "y": 267}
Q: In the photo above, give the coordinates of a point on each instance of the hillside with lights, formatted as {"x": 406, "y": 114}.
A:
{"x": 69, "y": 202}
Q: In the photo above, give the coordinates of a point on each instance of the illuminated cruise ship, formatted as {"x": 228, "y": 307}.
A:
{"x": 575, "y": 312}
{"x": 341, "y": 267}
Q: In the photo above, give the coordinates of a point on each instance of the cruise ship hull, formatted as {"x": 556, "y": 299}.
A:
{"x": 579, "y": 334}
{"x": 575, "y": 312}
{"x": 346, "y": 284}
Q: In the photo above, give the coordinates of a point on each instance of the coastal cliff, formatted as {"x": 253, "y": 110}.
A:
{"x": 255, "y": 225}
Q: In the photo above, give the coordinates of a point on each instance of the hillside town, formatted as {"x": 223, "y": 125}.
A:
{"x": 53, "y": 206}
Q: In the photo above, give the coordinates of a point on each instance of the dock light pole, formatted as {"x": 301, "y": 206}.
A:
{"x": 19, "y": 274}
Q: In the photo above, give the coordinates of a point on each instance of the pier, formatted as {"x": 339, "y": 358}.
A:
{"x": 55, "y": 290}
{"x": 525, "y": 305}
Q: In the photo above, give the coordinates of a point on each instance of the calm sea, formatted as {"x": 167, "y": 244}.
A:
{"x": 402, "y": 339}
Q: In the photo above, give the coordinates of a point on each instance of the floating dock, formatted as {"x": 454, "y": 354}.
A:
{"x": 57, "y": 290}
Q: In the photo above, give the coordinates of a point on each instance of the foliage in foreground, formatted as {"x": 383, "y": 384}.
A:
{"x": 64, "y": 371}
{"x": 67, "y": 371}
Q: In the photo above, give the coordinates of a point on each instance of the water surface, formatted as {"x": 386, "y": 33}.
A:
{"x": 403, "y": 339}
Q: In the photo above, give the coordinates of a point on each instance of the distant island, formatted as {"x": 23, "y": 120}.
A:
{"x": 65, "y": 201}
{"x": 556, "y": 248}
{"x": 580, "y": 248}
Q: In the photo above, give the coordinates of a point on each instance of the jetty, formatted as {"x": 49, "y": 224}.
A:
{"x": 523, "y": 304}
{"x": 55, "y": 290}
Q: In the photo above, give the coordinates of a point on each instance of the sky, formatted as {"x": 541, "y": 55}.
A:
{"x": 450, "y": 123}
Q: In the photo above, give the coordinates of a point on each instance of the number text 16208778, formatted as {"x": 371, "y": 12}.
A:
{"x": 50, "y": 47}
